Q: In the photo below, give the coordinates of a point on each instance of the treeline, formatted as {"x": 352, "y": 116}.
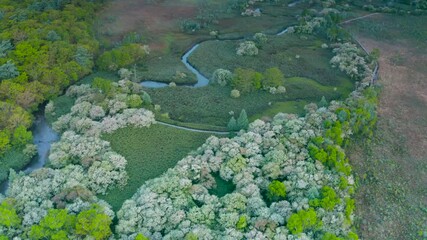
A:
{"x": 45, "y": 45}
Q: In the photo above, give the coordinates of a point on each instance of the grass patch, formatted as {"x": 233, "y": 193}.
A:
{"x": 166, "y": 69}
{"x": 296, "y": 56}
{"x": 15, "y": 159}
{"x": 222, "y": 187}
{"x": 388, "y": 28}
{"x": 296, "y": 107}
{"x": 211, "y": 105}
{"x": 149, "y": 152}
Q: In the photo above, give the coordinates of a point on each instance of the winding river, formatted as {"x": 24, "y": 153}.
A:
{"x": 201, "y": 79}
{"x": 43, "y": 137}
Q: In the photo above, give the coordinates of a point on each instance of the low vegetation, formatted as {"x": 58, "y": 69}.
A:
{"x": 149, "y": 153}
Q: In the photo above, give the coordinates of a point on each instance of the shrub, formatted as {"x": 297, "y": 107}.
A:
{"x": 246, "y": 80}
{"x": 273, "y": 77}
{"x": 134, "y": 101}
{"x": 247, "y": 48}
{"x": 260, "y": 39}
{"x": 124, "y": 73}
{"x": 121, "y": 57}
{"x": 235, "y": 93}
{"x": 348, "y": 59}
{"x": 102, "y": 85}
{"x": 222, "y": 77}
{"x": 190, "y": 26}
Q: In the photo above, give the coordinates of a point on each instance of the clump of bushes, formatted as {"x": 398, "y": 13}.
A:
{"x": 248, "y": 80}
{"x": 222, "y": 77}
{"x": 247, "y": 48}
{"x": 348, "y": 58}
{"x": 235, "y": 93}
{"x": 121, "y": 57}
{"x": 260, "y": 39}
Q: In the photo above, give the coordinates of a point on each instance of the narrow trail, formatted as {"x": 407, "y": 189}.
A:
{"x": 358, "y": 18}
{"x": 191, "y": 68}
{"x": 192, "y": 129}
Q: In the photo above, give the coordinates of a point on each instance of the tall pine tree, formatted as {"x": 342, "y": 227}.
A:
{"x": 242, "y": 121}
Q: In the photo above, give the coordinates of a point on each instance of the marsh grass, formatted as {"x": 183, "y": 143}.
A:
{"x": 149, "y": 153}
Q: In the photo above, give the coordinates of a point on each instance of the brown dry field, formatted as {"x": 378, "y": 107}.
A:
{"x": 392, "y": 169}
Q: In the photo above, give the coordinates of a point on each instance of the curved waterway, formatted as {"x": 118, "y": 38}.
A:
{"x": 43, "y": 137}
{"x": 201, "y": 79}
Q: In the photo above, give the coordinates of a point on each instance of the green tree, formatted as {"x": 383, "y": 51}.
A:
{"x": 8, "y": 216}
{"x": 21, "y": 136}
{"x": 331, "y": 236}
{"x": 242, "y": 223}
{"x": 273, "y": 77}
{"x": 303, "y": 220}
{"x": 94, "y": 223}
{"x": 242, "y": 121}
{"x": 232, "y": 125}
{"x": 134, "y": 101}
{"x": 246, "y": 80}
{"x": 328, "y": 201}
{"x": 146, "y": 98}
{"x": 323, "y": 102}
{"x": 102, "y": 84}
{"x": 8, "y": 70}
{"x": 4, "y": 141}
{"x": 140, "y": 236}
{"x": 276, "y": 190}
{"x": 57, "y": 224}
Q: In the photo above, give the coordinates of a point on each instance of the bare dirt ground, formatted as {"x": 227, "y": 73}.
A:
{"x": 144, "y": 16}
{"x": 392, "y": 168}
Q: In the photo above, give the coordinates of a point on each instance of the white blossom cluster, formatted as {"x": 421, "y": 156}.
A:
{"x": 179, "y": 203}
{"x": 311, "y": 25}
{"x": 348, "y": 58}
{"x": 81, "y": 164}
{"x": 34, "y": 194}
{"x": 93, "y": 113}
{"x": 247, "y": 48}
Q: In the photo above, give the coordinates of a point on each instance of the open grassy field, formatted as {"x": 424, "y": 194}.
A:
{"x": 149, "y": 152}
{"x": 302, "y": 60}
{"x": 392, "y": 171}
{"x": 295, "y": 55}
{"x": 159, "y": 25}
{"x": 212, "y": 104}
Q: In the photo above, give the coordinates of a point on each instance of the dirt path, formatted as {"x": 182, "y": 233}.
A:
{"x": 392, "y": 170}
{"x": 193, "y": 129}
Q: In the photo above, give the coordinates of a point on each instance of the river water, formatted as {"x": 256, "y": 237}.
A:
{"x": 43, "y": 137}
{"x": 201, "y": 79}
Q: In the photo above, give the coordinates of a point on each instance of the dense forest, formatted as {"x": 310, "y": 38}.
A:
{"x": 284, "y": 178}
{"x": 44, "y": 47}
